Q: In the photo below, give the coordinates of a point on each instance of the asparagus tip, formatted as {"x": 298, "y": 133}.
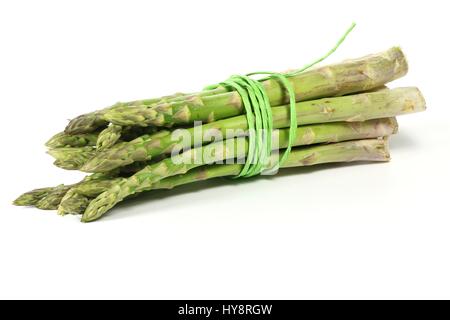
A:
{"x": 21, "y": 202}
{"x": 31, "y": 198}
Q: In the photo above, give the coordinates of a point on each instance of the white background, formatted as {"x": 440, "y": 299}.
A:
{"x": 358, "y": 231}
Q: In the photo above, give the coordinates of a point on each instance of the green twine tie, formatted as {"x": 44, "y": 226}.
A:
{"x": 259, "y": 113}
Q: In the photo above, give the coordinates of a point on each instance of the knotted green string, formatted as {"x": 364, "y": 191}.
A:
{"x": 259, "y": 113}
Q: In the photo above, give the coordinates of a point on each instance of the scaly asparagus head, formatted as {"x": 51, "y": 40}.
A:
{"x": 90, "y": 122}
{"x": 73, "y": 203}
{"x": 32, "y": 197}
{"x": 72, "y": 158}
{"x": 52, "y": 200}
{"x": 108, "y": 137}
{"x": 43, "y": 198}
{"x": 63, "y": 139}
{"x": 49, "y": 198}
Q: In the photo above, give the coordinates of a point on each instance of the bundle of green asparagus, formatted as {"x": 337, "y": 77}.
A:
{"x": 344, "y": 113}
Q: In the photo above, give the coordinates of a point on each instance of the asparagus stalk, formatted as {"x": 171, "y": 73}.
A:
{"x": 230, "y": 149}
{"x": 67, "y": 197}
{"x": 332, "y": 132}
{"x": 103, "y": 139}
{"x": 32, "y": 197}
{"x": 52, "y": 200}
{"x": 43, "y": 198}
{"x": 90, "y": 122}
{"x": 74, "y": 158}
{"x": 77, "y": 202}
{"x": 63, "y": 139}
{"x": 355, "y": 150}
{"x": 71, "y": 158}
{"x": 334, "y": 80}
{"x": 351, "y": 76}
{"x": 350, "y": 151}
{"x": 108, "y": 137}
{"x": 360, "y": 107}
{"x": 47, "y": 198}
{"x": 323, "y": 132}
{"x": 114, "y": 134}
{"x": 73, "y": 203}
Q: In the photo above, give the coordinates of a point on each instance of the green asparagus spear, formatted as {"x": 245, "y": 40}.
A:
{"x": 32, "y": 197}
{"x": 92, "y": 121}
{"x": 230, "y": 149}
{"x": 360, "y": 107}
{"x": 63, "y": 139}
{"x": 65, "y": 197}
{"x": 43, "y": 198}
{"x": 49, "y": 198}
{"x": 71, "y": 158}
{"x": 103, "y": 139}
{"x": 334, "y": 80}
{"x": 74, "y": 202}
{"x": 355, "y": 150}
{"x": 77, "y": 198}
{"x": 114, "y": 134}
{"x": 108, "y": 137}
{"x": 52, "y": 200}
{"x": 348, "y": 77}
